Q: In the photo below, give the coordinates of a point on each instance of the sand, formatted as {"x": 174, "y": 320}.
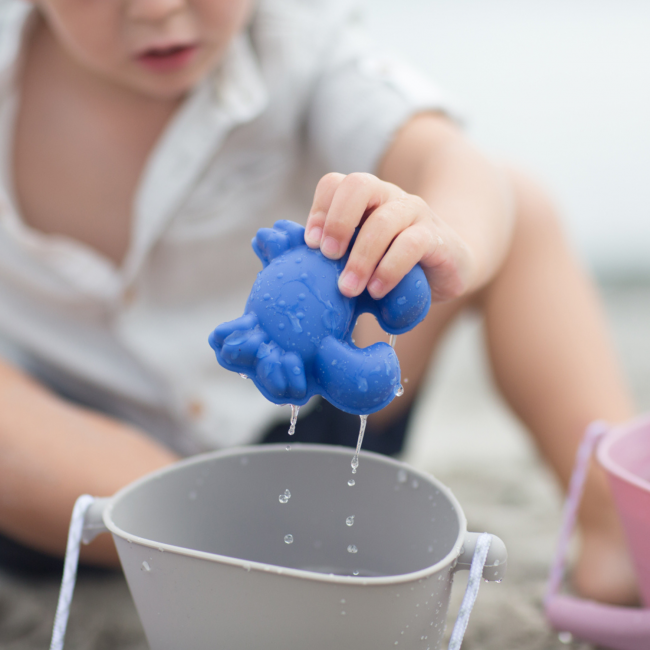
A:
{"x": 466, "y": 437}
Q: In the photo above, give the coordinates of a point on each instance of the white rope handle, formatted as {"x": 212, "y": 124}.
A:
{"x": 69, "y": 570}
{"x": 595, "y": 431}
{"x": 471, "y": 591}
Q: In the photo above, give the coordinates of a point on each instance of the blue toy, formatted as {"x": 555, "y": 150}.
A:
{"x": 295, "y": 337}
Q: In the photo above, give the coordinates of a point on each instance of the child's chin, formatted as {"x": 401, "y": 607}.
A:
{"x": 164, "y": 87}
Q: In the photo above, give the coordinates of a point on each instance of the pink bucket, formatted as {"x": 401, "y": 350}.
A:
{"x": 624, "y": 453}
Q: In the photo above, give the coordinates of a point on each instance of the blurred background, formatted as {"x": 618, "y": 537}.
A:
{"x": 562, "y": 87}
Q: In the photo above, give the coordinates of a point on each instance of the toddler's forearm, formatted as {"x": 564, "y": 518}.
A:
{"x": 432, "y": 159}
{"x": 50, "y": 453}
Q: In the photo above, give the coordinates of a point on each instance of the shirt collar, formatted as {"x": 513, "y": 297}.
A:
{"x": 234, "y": 93}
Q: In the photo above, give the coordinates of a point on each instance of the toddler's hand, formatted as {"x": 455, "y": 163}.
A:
{"x": 398, "y": 230}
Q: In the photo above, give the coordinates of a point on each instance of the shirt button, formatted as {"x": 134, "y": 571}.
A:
{"x": 129, "y": 295}
{"x": 195, "y": 409}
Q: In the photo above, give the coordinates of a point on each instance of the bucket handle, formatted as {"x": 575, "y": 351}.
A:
{"x": 85, "y": 524}
{"x": 595, "y": 431}
{"x": 485, "y": 556}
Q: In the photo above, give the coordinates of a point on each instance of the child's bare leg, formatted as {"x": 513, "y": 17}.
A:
{"x": 553, "y": 360}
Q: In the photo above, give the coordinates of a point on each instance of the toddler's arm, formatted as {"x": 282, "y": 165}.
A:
{"x": 439, "y": 203}
{"x": 50, "y": 453}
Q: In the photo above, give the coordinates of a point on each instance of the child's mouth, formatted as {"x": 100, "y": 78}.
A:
{"x": 167, "y": 59}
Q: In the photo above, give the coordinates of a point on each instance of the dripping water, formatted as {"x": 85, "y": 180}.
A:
{"x": 391, "y": 340}
{"x": 294, "y": 418}
{"x": 362, "y": 430}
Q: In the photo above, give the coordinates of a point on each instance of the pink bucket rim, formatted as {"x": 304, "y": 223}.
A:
{"x": 610, "y": 439}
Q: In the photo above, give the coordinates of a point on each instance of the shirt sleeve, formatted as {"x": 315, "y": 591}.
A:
{"x": 361, "y": 99}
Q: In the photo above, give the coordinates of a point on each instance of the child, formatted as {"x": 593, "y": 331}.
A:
{"x": 145, "y": 141}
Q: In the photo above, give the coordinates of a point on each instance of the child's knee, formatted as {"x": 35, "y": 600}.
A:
{"x": 536, "y": 216}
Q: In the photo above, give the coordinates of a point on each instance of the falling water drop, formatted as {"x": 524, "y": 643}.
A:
{"x": 285, "y": 496}
{"x": 243, "y": 376}
{"x": 399, "y": 391}
{"x": 351, "y": 482}
{"x": 352, "y": 548}
{"x": 288, "y": 539}
{"x": 294, "y": 418}
{"x": 288, "y": 447}
{"x": 355, "y": 572}
{"x": 349, "y": 521}
{"x": 391, "y": 340}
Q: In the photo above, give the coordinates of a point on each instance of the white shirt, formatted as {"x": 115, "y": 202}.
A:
{"x": 297, "y": 95}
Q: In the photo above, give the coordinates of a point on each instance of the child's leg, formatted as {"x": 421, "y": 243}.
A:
{"x": 553, "y": 361}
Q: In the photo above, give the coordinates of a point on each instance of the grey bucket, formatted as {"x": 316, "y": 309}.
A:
{"x": 202, "y": 547}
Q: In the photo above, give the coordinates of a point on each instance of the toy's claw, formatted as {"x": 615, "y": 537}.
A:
{"x": 270, "y": 243}
{"x": 401, "y": 309}
{"x": 357, "y": 380}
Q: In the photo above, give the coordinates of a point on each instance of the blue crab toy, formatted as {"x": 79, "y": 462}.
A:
{"x": 295, "y": 337}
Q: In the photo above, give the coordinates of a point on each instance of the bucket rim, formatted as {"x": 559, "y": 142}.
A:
{"x": 610, "y": 439}
{"x": 448, "y": 560}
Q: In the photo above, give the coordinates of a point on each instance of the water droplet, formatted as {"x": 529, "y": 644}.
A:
{"x": 355, "y": 572}
{"x": 406, "y": 380}
{"x": 418, "y": 284}
{"x": 281, "y": 303}
{"x": 243, "y": 376}
{"x": 565, "y": 637}
{"x": 401, "y": 300}
{"x": 288, "y": 447}
{"x": 402, "y": 476}
{"x": 350, "y": 521}
{"x": 145, "y": 567}
{"x": 391, "y": 340}
{"x": 301, "y": 296}
{"x": 304, "y": 276}
{"x": 352, "y": 548}
{"x": 285, "y": 496}
{"x": 280, "y": 276}
{"x": 351, "y": 482}
{"x": 399, "y": 391}
{"x": 281, "y": 326}
{"x": 294, "y": 418}
{"x": 362, "y": 429}
{"x": 267, "y": 296}
{"x": 298, "y": 260}
{"x": 288, "y": 539}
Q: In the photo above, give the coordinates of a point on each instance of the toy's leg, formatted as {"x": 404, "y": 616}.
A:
{"x": 553, "y": 361}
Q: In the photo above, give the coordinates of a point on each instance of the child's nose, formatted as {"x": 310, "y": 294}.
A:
{"x": 154, "y": 10}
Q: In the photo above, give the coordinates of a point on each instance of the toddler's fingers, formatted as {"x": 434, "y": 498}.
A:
{"x": 323, "y": 195}
{"x": 357, "y": 194}
{"x": 372, "y": 242}
{"x": 405, "y": 252}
